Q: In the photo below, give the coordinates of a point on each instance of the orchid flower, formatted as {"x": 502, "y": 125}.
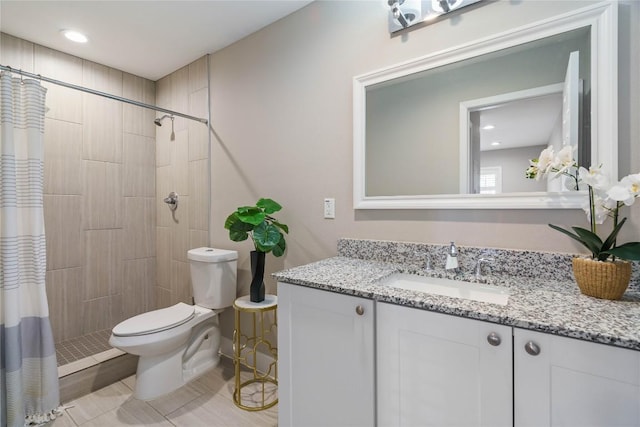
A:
{"x": 594, "y": 178}
{"x": 626, "y": 190}
{"x": 602, "y": 208}
{"x": 563, "y": 161}
{"x": 604, "y": 200}
{"x": 544, "y": 162}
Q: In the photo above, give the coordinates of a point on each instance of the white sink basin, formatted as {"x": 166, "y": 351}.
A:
{"x": 448, "y": 287}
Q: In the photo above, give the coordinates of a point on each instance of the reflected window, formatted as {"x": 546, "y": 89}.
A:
{"x": 491, "y": 180}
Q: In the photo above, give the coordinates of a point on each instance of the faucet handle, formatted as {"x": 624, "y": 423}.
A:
{"x": 427, "y": 262}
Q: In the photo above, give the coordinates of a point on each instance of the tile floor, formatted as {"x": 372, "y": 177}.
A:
{"x": 206, "y": 401}
{"x": 82, "y": 347}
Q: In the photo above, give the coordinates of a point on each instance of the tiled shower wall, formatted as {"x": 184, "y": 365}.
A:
{"x": 100, "y": 192}
{"x": 181, "y": 166}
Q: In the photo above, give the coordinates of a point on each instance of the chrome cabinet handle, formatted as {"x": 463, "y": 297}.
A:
{"x": 494, "y": 339}
{"x": 532, "y": 348}
{"x": 359, "y": 310}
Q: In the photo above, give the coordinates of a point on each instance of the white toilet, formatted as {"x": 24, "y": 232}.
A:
{"x": 178, "y": 343}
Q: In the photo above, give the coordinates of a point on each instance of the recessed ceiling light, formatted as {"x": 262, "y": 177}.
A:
{"x": 75, "y": 36}
{"x": 488, "y": 127}
{"x": 495, "y": 143}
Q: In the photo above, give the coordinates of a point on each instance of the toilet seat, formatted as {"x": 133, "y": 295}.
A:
{"x": 155, "y": 321}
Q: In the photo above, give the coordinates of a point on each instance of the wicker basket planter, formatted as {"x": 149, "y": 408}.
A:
{"x": 602, "y": 279}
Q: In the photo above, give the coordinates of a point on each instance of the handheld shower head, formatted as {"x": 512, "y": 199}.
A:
{"x": 158, "y": 122}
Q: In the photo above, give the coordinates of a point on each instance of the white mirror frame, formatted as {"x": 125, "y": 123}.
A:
{"x": 602, "y": 18}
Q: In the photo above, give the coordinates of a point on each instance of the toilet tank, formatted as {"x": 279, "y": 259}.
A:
{"x": 213, "y": 276}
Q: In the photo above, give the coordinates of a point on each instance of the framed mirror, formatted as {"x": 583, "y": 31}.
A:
{"x": 424, "y": 129}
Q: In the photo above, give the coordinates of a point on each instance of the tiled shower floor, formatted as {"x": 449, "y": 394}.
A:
{"x": 82, "y": 347}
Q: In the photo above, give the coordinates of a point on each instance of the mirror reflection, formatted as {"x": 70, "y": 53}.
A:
{"x": 499, "y": 146}
{"x": 470, "y": 127}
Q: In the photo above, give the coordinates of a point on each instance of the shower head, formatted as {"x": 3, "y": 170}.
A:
{"x": 159, "y": 120}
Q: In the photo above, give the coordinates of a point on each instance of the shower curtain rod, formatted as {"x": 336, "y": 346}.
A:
{"x": 103, "y": 94}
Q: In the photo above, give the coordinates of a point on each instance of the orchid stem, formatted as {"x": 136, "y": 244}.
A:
{"x": 615, "y": 224}
{"x": 592, "y": 211}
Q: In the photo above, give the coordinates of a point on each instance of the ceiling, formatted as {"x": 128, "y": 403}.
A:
{"x": 522, "y": 123}
{"x": 153, "y": 38}
{"x": 147, "y": 38}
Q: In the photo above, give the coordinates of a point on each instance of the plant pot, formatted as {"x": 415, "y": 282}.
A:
{"x": 602, "y": 279}
{"x": 256, "y": 290}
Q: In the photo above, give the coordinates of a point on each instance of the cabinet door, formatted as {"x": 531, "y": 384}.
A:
{"x": 439, "y": 370}
{"x": 574, "y": 383}
{"x": 326, "y": 351}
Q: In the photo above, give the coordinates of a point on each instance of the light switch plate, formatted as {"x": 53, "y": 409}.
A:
{"x": 330, "y": 208}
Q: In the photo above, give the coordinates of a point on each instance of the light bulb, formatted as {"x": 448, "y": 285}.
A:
{"x": 75, "y": 36}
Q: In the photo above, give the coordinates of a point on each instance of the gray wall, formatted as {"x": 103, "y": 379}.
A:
{"x": 512, "y": 160}
{"x": 282, "y": 123}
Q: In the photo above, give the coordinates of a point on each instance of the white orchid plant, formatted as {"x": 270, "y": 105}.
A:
{"x": 605, "y": 200}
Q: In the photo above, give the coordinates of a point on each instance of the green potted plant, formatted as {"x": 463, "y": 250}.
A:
{"x": 601, "y": 275}
{"x": 265, "y": 232}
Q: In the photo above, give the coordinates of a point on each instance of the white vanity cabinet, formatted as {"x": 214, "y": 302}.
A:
{"x": 326, "y": 358}
{"x": 567, "y": 382}
{"x": 435, "y": 369}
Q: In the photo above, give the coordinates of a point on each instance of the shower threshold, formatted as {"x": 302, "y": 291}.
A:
{"x": 88, "y": 363}
{"x": 85, "y": 351}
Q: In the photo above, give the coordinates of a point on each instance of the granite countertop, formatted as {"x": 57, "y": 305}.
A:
{"x": 536, "y": 303}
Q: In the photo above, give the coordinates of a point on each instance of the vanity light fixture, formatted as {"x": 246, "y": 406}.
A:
{"x": 430, "y": 17}
{"x": 405, "y": 13}
{"x": 398, "y": 15}
{"x": 495, "y": 143}
{"x": 75, "y": 36}
{"x": 440, "y": 7}
{"x": 488, "y": 127}
{"x": 444, "y": 6}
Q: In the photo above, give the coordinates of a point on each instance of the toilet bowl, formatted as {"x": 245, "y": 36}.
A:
{"x": 178, "y": 343}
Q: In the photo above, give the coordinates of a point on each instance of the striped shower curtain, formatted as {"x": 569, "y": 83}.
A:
{"x": 29, "y": 391}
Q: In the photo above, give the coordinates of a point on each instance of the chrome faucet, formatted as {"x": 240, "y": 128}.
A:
{"x": 481, "y": 260}
{"x": 452, "y": 258}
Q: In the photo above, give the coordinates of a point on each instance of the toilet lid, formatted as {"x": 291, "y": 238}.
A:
{"x": 155, "y": 321}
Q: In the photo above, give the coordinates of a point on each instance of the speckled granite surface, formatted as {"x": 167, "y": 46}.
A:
{"x": 543, "y": 294}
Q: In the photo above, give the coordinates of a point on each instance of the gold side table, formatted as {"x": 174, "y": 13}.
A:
{"x": 259, "y": 391}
